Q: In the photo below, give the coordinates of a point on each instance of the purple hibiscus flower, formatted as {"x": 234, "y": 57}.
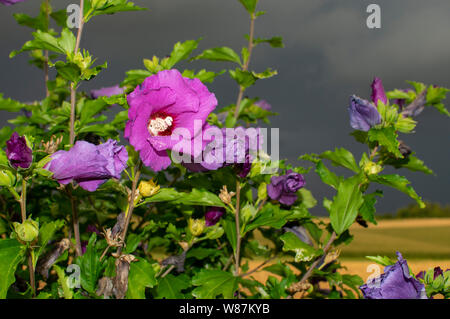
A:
{"x": 395, "y": 283}
{"x": 284, "y": 188}
{"x": 363, "y": 114}
{"x": 213, "y": 215}
{"x": 378, "y": 93}
{"x": 18, "y": 152}
{"x": 88, "y": 164}
{"x": 167, "y": 111}
{"x": 227, "y": 147}
{"x": 10, "y": 2}
{"x": 107, "y": 91}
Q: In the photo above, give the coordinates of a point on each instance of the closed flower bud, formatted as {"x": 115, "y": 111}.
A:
{"x": 196, "y": 226}
{"x": 28, "y": 231}
{"x": 371, "y": 168}
{"x": 148, "y": 188}
{"x": 7, "y": 178}
{"x": 262, "y": 191}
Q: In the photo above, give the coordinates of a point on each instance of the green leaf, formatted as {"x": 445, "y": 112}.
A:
{"x": 275, "y": 42}
{"x": 386, "y": 137}
{"x": 142, "y": 275}
{"x": 90, "y": 266}
{"x": 327, "y": 176}
{"x": 243, "y": 78}
{"x": 90, "y": 108}
{"x": 170, "y": 287}
{"x": 68, "y": 71}
{"x": 101, "y": 7}
{"x": 181, "y": 51}
{"x": 346, "y": 203}
{"x": 214, "y": 283}
{"x": 46, "y": 233}
{"x": 303, "y": 252}
{"x": 10, "y": 106}
{"x": 249, "y": 5}
{"x": 11, "y": 255}
{"x": 410, "y": 162}
{"x": 202, "y": 75}
{"x": 220, "y": 54}
{"x": 341, "y": 157}
{"x": 400, "y": 183}
{"x": 382, "y": 260}
{"x": 230, "y": 231}
{"x": 271, "y": 216}
{"x": 200, "y": 197}
{"x": 367, "y": 209}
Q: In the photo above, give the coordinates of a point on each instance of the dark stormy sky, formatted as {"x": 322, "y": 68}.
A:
{"x": 329, "y": 55}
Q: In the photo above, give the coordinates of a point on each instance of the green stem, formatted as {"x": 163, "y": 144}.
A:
{"x": 75, "y": 221}
{"x": 47, "y": 16}
{"x": 131, "y": 204}
{"x": 73, "y": 85}
{"x": 23, "y": 210}
{"x": 246, "y": 64}
{"x": 238, "y": 230}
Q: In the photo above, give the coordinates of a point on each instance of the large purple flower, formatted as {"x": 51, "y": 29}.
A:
{"x": 18, "y": 152}
{"x": 228, "y": 146}
{"x": 167, "y": 111}
{"x": 378, "y": 93}
{"x": 213, "y": 215}
{"x": 363, "y": 114}
{"x": 395, "y": 283}
{"x": 10, "y": 2}
{"x": 107, "y": 91}
{"x": 88, "y": 164}
{"x": 284, "y": 188}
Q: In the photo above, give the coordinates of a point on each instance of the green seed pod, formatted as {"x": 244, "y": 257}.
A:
{"x": 7, "y": 178}
{"x": 28, "y": 231}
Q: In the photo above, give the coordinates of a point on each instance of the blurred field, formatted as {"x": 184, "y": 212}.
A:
{"x": 422, "y": 239}
{"x": 425, "y": 243}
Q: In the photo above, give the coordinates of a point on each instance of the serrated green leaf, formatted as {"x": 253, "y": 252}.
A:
{"x": 90, "y": 266}
{"x": 400, "y": 183}
{"x": 170, "y": 286}
{"x": 225, "y": 54}
{"x": 386, "y": 137}
{"x": 142, "y": 275}
{"x": 214, "y": 283}
{"x": 11, "y": 255}
{"x": 346, "y": 203}
{"x": 341, "y": 157}
{"x": 181, "y": 51}
{"x": 303, "y": 251}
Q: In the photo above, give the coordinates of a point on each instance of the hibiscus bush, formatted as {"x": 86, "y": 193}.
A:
{"x": 176, "y": 195}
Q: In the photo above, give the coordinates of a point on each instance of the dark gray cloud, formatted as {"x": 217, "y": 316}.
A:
{"x": 329, "y": 55}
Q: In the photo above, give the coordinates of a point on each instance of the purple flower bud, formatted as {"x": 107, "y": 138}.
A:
{"x": 18, "y": 152}
{"x": 92, "y": 229}
{"x": 437, "y": 272}
{"x": 213, "y": 215}
{"x": 88, "y": 164}
{"x": 363, "y": 114}
{"x": 283, "y": 188}
{"x": 378, "y": 93}
{"x": 395, "y": 283}
{"x": 107, "y": 91}
{"x": 10, "y": 2}
{"x": 264, "y": 105}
